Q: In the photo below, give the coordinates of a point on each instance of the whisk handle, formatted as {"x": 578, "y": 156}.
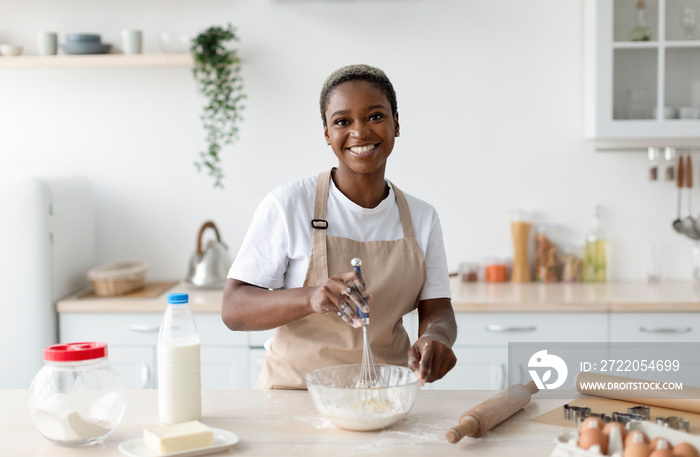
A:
{"x": 359, "y": 311}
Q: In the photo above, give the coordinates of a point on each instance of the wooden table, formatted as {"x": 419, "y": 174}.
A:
{"x": 285, "y": 423}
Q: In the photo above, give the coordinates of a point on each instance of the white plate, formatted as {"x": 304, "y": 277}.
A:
{"x": 223, "y": 439}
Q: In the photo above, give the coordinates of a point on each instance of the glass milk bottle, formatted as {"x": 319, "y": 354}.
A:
{"x": 596, "y": 251}
{"x": 179, "y": 378}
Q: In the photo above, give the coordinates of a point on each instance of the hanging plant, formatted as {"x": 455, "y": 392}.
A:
{"x": 217, "y": 71}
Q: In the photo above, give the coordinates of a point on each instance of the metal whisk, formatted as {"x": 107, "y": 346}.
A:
{"x": 370, "y": 374}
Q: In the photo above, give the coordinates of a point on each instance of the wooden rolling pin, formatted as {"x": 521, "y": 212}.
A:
{"x": 686, "y": 399}
{"x": 486, "y": 415}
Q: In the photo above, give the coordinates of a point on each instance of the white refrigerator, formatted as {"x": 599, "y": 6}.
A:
{"x": 47, "y": 244}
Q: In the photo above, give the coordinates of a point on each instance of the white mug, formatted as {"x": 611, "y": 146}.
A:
{"x": 47, "y": 43}
{"x": 132, "y": 41}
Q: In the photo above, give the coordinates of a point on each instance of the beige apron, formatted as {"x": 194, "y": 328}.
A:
{"x": 394, "y": 273}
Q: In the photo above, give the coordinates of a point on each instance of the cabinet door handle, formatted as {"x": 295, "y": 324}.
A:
{"x": 144, "y": 328}
{"x": 665, "y": 329}
{"x": 498, "y": 328}
{"x": 145, "y": 376}
{"x": 500, "y": 376}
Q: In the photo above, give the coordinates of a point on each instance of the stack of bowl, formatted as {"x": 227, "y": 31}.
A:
{"x": 84, "y": 43}
{"x": 10, "y": 49}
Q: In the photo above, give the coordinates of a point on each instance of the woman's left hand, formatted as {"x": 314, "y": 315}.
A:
{"x": 431, "y": 356}
{"x": 430, "y": 360}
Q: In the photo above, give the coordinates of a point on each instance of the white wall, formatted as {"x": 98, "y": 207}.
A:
{"x": 489, "y": 95}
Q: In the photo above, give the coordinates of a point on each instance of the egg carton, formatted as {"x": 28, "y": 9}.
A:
{"x": 565, "y": 444}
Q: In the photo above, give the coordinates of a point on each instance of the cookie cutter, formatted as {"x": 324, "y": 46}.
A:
{"x": 604, "y": 417}
{"x": 674, "y": 422}
{"x": 576, "y": 413}
{"x": 623, "y": 418}
{"x": 640, "y": 411}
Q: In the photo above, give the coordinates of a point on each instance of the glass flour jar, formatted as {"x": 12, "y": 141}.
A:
{"x": 76, "y": 399}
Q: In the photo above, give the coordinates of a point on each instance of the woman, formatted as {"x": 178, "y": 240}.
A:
{"x": 293, "y": 270}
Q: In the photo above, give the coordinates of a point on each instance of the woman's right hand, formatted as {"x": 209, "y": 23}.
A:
{"x": 341, "y": 294}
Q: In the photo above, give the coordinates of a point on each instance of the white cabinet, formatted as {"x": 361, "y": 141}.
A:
{"x": 132, "y": 340}
{"x": 655, "y": 327}
{"x": 478, "y": 368}
{"x": 482, "y": 343}
{"x": 135, "y": 365}
{"x": 626, "y": 81}
{"x": 224, "y": 367}
{"x": 233, "y": 360}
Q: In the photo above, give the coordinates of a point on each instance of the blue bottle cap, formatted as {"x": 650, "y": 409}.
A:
{"x": 178, "y": 298}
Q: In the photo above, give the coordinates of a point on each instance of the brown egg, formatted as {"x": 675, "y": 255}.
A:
{"x": 661, "y": 453}
{"x": 660, "y": 443}
{"x": 636, "y": 436}
{"x": 592, "y": 436}
{"x": 592, "y": 422}
{"x": 685, "y": 450}
{"x": 618, "y": 425}
{"x": 636, "y": 449}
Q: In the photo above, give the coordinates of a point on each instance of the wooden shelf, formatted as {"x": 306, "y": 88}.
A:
{"x": 97, "y": 61}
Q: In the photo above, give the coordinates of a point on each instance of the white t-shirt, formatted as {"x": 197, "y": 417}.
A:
{"x": 275, "y": 252}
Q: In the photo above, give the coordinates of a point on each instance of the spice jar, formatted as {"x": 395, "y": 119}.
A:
{"x": 572, "y": 264}
{"x": 653, "y": 156}
{"x": 76, "y": 399}
{"x": 495, "y": 270}
{"x": 469, "y": 271}
{"x": 546, "y": 255}
{"x": 670, "y": 161}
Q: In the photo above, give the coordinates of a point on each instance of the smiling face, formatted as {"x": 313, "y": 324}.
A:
{"x": 360, "y": 127}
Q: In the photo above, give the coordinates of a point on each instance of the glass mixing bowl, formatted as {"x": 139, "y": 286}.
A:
{"x": 334, "y": 393}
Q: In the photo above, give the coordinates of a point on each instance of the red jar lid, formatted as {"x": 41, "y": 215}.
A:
{"x": 75, "y": 352}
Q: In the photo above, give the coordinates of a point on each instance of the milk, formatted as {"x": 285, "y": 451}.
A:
{"x": 179, "y": 381}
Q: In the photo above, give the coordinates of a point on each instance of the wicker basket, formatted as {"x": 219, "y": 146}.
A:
{"x": 118, "y": 278}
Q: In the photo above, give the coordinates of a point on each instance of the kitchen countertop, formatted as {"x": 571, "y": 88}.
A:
{"x": 466, "y": 297}
{"x": 285, "y": 423}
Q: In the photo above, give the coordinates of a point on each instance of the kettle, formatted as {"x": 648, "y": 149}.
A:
{"x": 209, "y": 267}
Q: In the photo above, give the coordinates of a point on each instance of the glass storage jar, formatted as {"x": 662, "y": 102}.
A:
{"x": 76, "y": 399}
{"x": 572, "y": 264}
{"x": 495, "y": 269}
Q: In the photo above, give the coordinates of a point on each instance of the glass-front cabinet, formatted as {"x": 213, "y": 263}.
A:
{"x": 642, "y": 69}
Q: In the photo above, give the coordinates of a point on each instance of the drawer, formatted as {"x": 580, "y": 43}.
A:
{"x": 477, "y": 329}
{"x": 132, "y": 328}
{"x": 654, "y": 327}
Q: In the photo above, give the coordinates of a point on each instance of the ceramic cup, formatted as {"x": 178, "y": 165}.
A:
{"x": 10, "y": 49}
{"x": 47, "y": 43}
{"x": 132, "y": 41}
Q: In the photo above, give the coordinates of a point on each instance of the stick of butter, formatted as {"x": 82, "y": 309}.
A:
{"x": 176, "y": 438}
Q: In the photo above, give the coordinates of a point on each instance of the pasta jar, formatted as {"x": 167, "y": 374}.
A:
{"x": 76, "y": 399}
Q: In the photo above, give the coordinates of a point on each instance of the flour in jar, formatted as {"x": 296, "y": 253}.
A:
{"x": 69, "y": 428}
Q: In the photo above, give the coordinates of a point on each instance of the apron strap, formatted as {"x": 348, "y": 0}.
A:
{"x": 320, "y": 225}
{"x": 404, "y": 213}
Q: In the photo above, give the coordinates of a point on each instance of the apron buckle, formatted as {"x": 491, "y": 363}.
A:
{"x": 320, "y": 224}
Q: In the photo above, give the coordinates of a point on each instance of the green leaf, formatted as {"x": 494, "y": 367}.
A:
{"x": 217, "y": 72}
